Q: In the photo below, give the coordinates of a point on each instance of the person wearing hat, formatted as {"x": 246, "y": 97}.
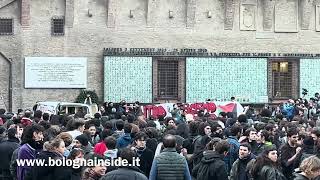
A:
{"x": 82, "y": 142}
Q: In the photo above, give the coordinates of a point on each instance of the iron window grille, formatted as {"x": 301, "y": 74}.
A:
{"x": 168, "y": 78}
{"x": 283, "y": 78}
{"x": 57, "y": 26}
{"x": 6, "y": 26}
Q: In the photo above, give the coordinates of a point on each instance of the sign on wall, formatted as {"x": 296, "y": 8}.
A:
{"x": 55, "y": 72}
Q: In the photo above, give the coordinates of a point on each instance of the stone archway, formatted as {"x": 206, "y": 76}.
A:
{"x": 5, "y": 78}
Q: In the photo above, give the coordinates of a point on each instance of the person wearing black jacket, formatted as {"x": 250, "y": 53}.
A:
{"x": 212, "y": 165}
{"x": 290, "y": 154}
{"x": 144, "y": 153}
{"x": 54, "y": 150}
{"x": 6, "y": 150}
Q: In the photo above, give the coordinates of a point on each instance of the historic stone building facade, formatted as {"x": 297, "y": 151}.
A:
{"x": 286, "y": 32}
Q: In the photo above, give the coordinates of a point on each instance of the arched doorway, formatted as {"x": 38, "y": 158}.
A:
{"x": 5, "y": 83}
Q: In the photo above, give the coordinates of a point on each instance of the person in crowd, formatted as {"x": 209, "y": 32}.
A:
{"x": 200, "y": 142}
{"x": 82, "y": 142}
{"x": 112, "y": 152}
{"x": 212, "y": 165}
{"x": 126, "y": 139}
{"x": 169, "y": 164}
{"x": 310, "y": 169}
{"x": 26, "y": 119}
{"x": 307, "y": 148}
{"x": 266, "y": 166}
{"x": 7, "y": 147}
{"x": 37, "y": 117}
{"x": 67, "y": 139}
{"x": 233, "y": 152}
{"x": 78, "y": 128}
{"x": 242, "y": 166}
{"x": 263, "y": 141}
{"x": 144, "y": 153}
{"x": 75, "y": 172}
{"x": 250, "y": 136}
{"x": 95, "y": 172}
{"x": 169, "y": 121}
{"x": 91, "y": 128}
{"x": 32, "y": 144}
{"x": 119, "y": 129}
{"x": 126, "y": 172}
{"x": 54, "y": 150}
{"x": 101, "y": 147}
{"x": 290, "y": 153}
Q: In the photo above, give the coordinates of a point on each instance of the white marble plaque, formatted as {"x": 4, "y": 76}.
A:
{"x": 55, "y": 72}
{"x": 286, "y": 16}
{"x": 248, "y": 10}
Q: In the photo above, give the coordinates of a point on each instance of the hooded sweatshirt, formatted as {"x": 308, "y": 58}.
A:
{"x": 211, "y": 166}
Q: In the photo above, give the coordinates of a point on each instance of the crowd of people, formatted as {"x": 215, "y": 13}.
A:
{"x": 276, "y": 143}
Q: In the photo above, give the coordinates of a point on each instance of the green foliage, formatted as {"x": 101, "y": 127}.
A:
{"x": 83, "y": 95}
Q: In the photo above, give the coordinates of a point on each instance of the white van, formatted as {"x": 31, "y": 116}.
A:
{"x": 65, "y": 108}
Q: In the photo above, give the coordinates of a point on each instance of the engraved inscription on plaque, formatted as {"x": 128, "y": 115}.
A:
{"x": 55, "y": 72}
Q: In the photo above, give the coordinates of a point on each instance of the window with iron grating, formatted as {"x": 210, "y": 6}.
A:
{"x": 284, "y": 78}
{"x": 168, "y": 77}
{"x": 6, "y": 26}
{"x": 57, "y": 26}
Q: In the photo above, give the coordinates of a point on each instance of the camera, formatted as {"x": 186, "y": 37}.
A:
{"x": 304, "y": 91}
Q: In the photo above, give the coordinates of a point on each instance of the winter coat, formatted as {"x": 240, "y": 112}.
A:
{"x": 124, "y": 141}
{"x": 211, "y": 166}
{"x": 13, "y": 164}
{"x": 6, "y": 150}
{"x": 269, "y": 173}
{"x": 299, "y": 176}
{"x": 146, "y": 157}
{"x": 25, "y": 152}
{"x": 125, "y": 173}
{"x": 247, "y": 164}
{"x": 49, "y": 172}
{"x": 233, "y": 152}
{"x": 286, "y": 152}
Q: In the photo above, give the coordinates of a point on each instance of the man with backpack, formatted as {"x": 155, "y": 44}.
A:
{"x": 212, "y": 165}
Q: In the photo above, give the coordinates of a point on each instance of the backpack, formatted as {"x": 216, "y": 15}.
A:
{"x": 203, "y": 171}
